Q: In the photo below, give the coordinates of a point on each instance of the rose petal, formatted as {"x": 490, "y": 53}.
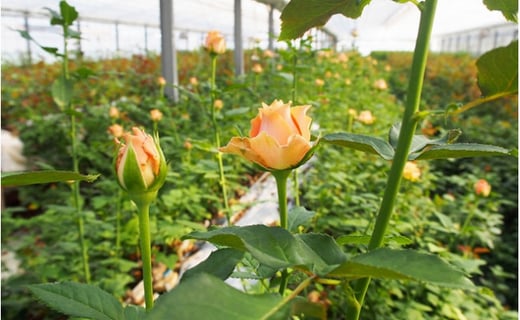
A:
{"x": 302, "y": 121}
{"x": 242, "y": 147}
{"x": 276, "y": 156}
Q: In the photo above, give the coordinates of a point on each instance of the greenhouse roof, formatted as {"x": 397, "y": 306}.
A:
{"x": 384, "y": 25}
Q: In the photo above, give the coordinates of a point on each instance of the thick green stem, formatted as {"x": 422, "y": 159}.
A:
{"x": 146, "y": 252}
{"x": 408, "y": 127}
{"x": 281, "y": 186}
{"x": 222, "y": 176}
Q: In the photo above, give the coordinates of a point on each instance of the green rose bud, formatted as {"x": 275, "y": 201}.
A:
{"x": 140, "y": 165}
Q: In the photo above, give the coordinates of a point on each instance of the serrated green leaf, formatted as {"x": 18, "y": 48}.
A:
{"x": 509, "y": 8}
{"x": 277, "y": 248}
{"x": 62, "y": 92}
{"x": 48, "y": 176}
{"x": 385, "y": 263}
{"x": 298, "y": 16}
{"x": 460, "y": 150}
{"x": 298, "y": 216}
{"x": 79, "y": 300}
{"x": 220, "y": 264}
{"x": 206, "y": 297}
{"x": 498, "y": 70}
{"x": 361, "y": 142}
{"x": 419, "y": 141}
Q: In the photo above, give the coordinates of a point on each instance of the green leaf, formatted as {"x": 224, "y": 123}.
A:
{"x": 419, "y": 141}
{"x": 277, "y": 248}
{"x": 498, "y": 70}
{"x": 509, "y": 8}
{"x": 361, "y": 142}
{"x": 134, "y": 312}
{"x": 460, "y": 150}
{"x": 298, "y": 16}
{"x": 298, "y": 216}
{"x": 47, "y": 176}
{"x": 385, "y": 263}
{"x": 312, "y": 311}
{"x": 206, "y": 297}
{"x": 220, "y": 264}
{"x": 79, "y": 300}
{"x": 56, "y": 18}
{"x": 62, "y": 92}
{"x": 68, "y": 13}
{"x": 365, "y": 239}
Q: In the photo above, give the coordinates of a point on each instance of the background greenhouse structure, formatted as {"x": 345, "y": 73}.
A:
{"x": 135, "y": 58}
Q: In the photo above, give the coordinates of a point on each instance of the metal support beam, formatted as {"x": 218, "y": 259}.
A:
{"x": 28, "y": 42}
{"x": 239, "y": 52}
{"x": 168, "y": 52}
{"x": 271, "y": 34}
{"x": 117, "y": 36}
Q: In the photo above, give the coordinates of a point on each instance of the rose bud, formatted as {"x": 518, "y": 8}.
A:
{"x": 482, "y": 188}
{"x": 215, "y": 43}
{"x": 279, "y": 137}
{"x": 140, "y": 163}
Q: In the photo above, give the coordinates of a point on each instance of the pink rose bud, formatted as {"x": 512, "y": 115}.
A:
{"x": 215, "y": 43}
{"x": 482, "y": 188}
{"x": 279, "y": 137}
{"x": 140, "y": 163}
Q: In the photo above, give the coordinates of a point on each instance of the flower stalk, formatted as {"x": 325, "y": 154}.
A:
{"x": 222, "y": 175}
{"x": 75, "y": 165}
{"x": 281, "y": 177}
{"x": 145, "y": 242}
{"x": 409, "y": 125}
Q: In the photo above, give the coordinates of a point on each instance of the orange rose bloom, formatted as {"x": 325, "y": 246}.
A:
{"x": 279, "y": 137}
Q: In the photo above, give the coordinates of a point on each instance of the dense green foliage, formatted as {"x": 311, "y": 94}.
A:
{"x": 440, "y": 213}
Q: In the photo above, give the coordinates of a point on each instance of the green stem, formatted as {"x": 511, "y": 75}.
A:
{"x": 77, "y": 205}
{"x": 281, "y": 186}
{"x": 296, "y": 184}
{"x": 408, "y": 127}
{"x": 146, "y": 252}
{"x": 75, "y": 165}
{"x": 222, "y": 176}
{"x": 118, "y": 221}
